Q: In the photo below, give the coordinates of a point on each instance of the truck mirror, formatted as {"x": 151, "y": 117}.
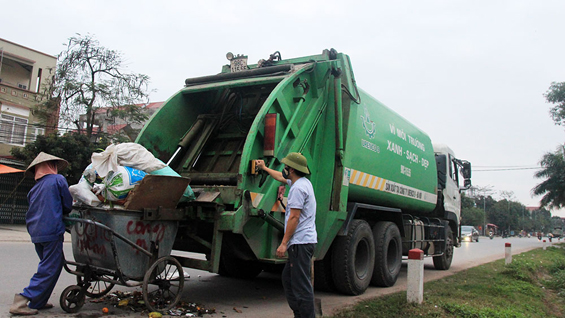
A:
{"x": 466, "y": 170}
{"x": 467, "y": 184}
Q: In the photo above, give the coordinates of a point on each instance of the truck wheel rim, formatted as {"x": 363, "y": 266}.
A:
{"x": 362, "y": 259}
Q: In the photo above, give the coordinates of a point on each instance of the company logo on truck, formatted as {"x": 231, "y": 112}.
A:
{"x": 368, "y": 124}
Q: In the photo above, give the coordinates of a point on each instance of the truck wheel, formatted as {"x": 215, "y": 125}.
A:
{"x": 443, "y": 262}
{"x": 388, "y": 256}
{"x": 353, "y": 259}
{"x": 323, "y": 280}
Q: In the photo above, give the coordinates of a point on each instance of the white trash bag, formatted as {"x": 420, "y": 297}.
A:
{"x": 127, "y": 154}
{"x": 82, "y": 192}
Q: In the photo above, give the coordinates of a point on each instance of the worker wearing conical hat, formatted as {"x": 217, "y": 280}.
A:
{"x": 300, "y": 236}
{"x": 49, "y": 200}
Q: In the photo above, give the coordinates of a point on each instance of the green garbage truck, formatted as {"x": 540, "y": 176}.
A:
{"x": 382, "y": 187}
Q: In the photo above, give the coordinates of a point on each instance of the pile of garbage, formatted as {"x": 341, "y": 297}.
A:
{"x": 134, "y": 301}
{"x": 114, "y": 172}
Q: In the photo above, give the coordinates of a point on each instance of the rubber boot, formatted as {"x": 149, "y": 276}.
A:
{"x": 19, "y": 307}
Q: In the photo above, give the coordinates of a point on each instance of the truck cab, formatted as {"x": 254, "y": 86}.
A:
{"x": 454, "y": 176}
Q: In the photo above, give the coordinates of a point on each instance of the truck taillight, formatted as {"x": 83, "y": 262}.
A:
{"x": 270, "y": 132}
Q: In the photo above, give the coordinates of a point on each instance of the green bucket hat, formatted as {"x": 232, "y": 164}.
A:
{"x": 297, "y": 161}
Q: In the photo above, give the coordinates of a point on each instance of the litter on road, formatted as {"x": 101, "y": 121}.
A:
{"x": 133, "y": 301}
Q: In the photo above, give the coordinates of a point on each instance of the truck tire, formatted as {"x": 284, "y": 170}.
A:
{"x": 443, "y": 262}
{"x": 353, "y": 258}
{"x": 388, "y": 256}
{"x": 323, "y": 280}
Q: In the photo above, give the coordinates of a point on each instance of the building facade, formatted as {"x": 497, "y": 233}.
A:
{"x": 104, "y": 123}
{"x": 23, "y": 72}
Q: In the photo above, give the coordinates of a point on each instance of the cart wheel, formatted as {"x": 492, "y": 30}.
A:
{"x": 97, "y": 288}
{"x": 168, "y": 275}
{"x": 71, "y": 299}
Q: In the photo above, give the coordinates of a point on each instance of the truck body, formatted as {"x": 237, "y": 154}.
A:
{"x": 557, "y": 226}
{"x": 382, "y": 188}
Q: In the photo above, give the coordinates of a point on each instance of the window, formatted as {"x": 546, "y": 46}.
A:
{"x": 38, "y": 83}
{"x": 37, "y": 132}
{"x": 12, "y": 129}
{"x": 454, "y": 170}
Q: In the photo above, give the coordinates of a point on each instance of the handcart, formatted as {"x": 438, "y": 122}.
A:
{"x": 123, "y": 247}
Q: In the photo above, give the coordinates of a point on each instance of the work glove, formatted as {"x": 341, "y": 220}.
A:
{"x": 69, "y": 223}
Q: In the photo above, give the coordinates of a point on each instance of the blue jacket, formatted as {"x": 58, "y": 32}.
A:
{"x": 48, "y": 200}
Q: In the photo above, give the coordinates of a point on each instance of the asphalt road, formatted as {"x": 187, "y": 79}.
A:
{"x": 262, "y": 297}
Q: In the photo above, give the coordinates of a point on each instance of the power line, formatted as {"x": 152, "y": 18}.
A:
{"x": 507, "y": 169}
{"x": 520, "y": 166}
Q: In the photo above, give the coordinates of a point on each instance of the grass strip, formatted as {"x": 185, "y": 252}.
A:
{"x": 533, "y": 285}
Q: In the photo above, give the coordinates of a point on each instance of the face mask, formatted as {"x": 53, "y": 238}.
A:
{"x": 285, "y": 173}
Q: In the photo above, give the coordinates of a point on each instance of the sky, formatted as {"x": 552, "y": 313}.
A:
{"x": 471, "y": 74}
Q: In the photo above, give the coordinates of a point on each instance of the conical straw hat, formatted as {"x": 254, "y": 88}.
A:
{"x": 44, "y": 157}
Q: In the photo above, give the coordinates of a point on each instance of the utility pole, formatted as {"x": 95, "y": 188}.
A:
{"x": 486, "y": 190}
{"x": 507, "y": 195}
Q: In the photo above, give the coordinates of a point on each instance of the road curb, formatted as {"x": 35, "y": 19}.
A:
{"x": 18, "y": 233}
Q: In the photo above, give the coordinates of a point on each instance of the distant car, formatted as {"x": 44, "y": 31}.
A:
{"x": 469, "y": 233}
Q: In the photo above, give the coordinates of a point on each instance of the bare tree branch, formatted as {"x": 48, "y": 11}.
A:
{"x": 90, "y": 76}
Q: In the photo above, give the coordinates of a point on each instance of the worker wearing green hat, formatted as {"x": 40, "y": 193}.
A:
{"x": 300, "y": 235}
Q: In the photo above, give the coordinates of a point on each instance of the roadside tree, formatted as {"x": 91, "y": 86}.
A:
{"x": 472, "y": 216}
{"x": 76, "y": 149}
{"x": 556, "y": 95}
{"x": 542, "y": 220}
{"x": 487, "y": 204}
{"x": 90, "y": 76}
{"x": 552, "y": 189}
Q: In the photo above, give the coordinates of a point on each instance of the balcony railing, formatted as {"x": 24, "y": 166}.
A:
{"x": 18, "y": 96}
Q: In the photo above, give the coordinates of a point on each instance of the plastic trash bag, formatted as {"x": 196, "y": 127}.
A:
{"x": 119, "y": 183}
{"x": 127, "y": 154}
{"x": 82, "y": 192}
{"x": 89, "y": 174}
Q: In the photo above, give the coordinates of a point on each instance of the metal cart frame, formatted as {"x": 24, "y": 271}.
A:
{"x": 95, "y": 281}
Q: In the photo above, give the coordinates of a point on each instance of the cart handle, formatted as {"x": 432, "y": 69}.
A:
{"x": 118, "y": 235}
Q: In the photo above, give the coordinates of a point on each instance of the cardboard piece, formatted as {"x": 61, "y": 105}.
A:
{"x": 156, "y": 191}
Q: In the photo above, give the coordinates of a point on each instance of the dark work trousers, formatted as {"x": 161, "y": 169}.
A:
{"x": 43, "y": 282}
{"x": 296, "y": 279}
